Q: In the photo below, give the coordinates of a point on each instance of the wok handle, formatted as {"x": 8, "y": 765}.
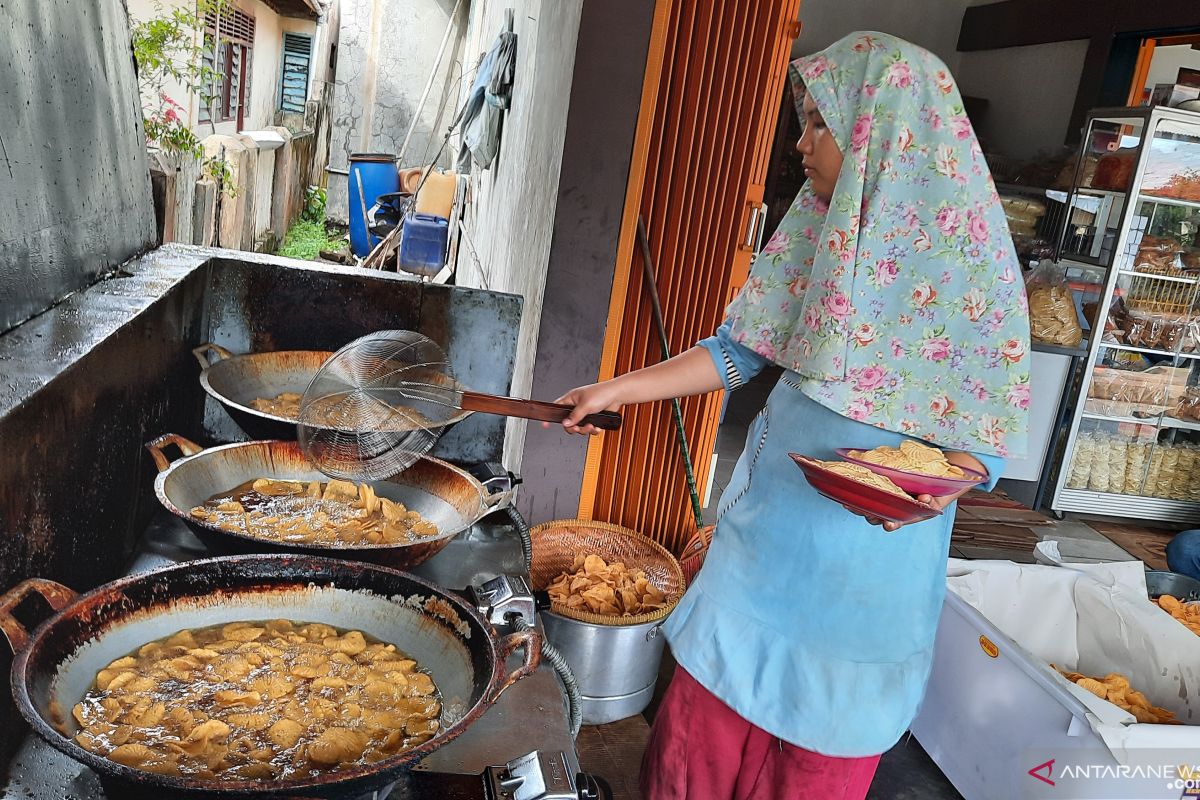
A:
{"x": 531, "y": 640}
{"x": 55, "y": 594}
{"x": 186, "y": 446}
{"x": 535, "y": 409}
{"x": 201, "y": 354}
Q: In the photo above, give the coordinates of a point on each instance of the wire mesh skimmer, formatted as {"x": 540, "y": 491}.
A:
{"x": 382, "y": 401}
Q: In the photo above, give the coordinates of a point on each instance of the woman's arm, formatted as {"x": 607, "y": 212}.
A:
{"x": 689, "y": 373}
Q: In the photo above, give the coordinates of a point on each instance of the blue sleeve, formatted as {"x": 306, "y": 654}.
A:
{"x": 995, "y": 469}
{"x": 735, "y": 363}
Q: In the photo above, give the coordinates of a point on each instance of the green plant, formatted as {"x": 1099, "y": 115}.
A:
{"x": 169, "y": 48}
{"x": 307, "y": 238}
{"x": 314, "y": 204}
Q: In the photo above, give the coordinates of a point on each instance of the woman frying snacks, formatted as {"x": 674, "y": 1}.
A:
{"x": 892, "y": 298}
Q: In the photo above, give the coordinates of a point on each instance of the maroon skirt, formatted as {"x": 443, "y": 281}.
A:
{"x": 700, "y": 749}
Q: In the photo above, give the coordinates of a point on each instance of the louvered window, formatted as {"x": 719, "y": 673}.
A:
{"x": 293, "y": 84}
{"x": 228, "y": 48}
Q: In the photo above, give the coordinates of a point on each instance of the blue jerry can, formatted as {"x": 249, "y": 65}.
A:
{"x": 423, "y": 244}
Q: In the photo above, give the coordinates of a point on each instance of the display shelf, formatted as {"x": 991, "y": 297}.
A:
{"x": 1083, "y": 261}
{"x": 1151, "y": 137}
{"x": 1075, "y": 352}
{"x": 1169, "y": 278}
{"x": 1101, "y": 192}
{"x": 1164, "y": 421}
{"x": 1168, "y": 201}
{"x": 1148, "y": 351}
{"x": 1127, "y": 505}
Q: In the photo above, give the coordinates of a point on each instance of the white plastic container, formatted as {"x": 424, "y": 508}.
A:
{"x": 993, "y": 716}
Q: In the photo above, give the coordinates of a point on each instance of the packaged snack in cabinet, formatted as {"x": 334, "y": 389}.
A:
{"x": 1118, "y": 452}
{"x": 1135, "y": 466}
{"x": 1152, "y": 474}
{"x": 1081, "y": 462}
{"x": 1098, "y": 477}
{"x": 1167, "y": 472}
{"x": 1182, "y": 482}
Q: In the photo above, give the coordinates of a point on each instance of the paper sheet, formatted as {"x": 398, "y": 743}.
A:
{"x": 1095, "y": 619}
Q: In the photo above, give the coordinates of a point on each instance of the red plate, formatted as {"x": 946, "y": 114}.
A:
{"x": 861, "y": 497}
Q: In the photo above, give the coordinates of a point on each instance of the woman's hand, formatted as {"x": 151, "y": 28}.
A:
{"x": 604, "y": 396}
{"x": 684, "y": 375}
{"x": 965, "y": 460}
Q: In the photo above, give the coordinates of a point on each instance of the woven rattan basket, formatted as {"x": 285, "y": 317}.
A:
{"x": 555, "y": 545}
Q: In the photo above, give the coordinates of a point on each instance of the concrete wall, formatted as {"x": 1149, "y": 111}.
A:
{"x": 77, "y": 200}
{"x": 610, "y": 61}
{"x": 512, "y": 218}
{"x": 1030, "y": 92}
{"x": 386, "y": 51}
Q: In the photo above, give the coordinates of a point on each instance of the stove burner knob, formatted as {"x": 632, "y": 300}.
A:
{"x": 592, "y": 787}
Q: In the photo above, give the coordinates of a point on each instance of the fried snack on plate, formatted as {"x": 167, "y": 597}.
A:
{"x": 1186, "y": 613}
{"x": 911, "y": 456}
{"x": 594, "y": 585}
{"x": 859, "y": 473}
{"x": 1115, "y": 688}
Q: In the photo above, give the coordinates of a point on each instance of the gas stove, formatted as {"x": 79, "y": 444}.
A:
{"x": 487, "y": 762}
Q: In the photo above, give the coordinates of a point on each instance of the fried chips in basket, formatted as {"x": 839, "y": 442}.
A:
{"x": 857, "y": 472}
{"x": 911, "y": 456}
{"x": 608, "y": 589}
{"x": 1186, "y": 613}
{"x": 1115, "y": 689}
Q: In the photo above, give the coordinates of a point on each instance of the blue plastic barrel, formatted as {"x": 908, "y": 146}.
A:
{"x": 376, "y": 174}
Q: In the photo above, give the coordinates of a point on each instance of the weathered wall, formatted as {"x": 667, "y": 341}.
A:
{"x": 512, "y": 219}
{"x": 77, "y": 196}
{"x": 386, "y": 50}
{"x": 610, "y": 61}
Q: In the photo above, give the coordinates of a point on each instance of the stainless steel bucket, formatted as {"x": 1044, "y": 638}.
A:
{"x": 616, "y": 666}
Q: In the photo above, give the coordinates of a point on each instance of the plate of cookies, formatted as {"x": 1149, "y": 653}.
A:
{"x": 916, "y": 468}
{"x": 858, "y": 488}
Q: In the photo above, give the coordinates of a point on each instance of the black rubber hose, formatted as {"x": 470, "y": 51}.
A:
{"x": 523, "y": 531}
{"x": 550, "y": 653}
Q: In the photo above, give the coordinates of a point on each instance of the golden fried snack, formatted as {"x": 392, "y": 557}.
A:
{"x": 1115, "y": 689}
{"x": 1186, "y": 613}
{"x": 333, "y": 513}
{"x": 258, "y": 701}
{"x": 286, "y": 405}
{"x": 859, "y": 473}
{"x": 911, "y": 456}
{"x": 608, "y": 589}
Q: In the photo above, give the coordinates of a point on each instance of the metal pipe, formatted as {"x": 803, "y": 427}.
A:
{"x": 551, "y": 655}
{"x": 522, "y": 527}
{"x": 412, "y": 126}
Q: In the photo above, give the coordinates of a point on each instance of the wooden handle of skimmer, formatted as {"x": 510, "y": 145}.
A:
{"x": 534, "y": 409}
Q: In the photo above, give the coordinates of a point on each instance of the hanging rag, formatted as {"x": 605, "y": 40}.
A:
{"x": 490, "y": 96}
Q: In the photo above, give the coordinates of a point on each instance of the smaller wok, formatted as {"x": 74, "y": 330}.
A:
{"x": 449, "y": 497}
{"x": 237, "y": 381}
{"x": 57, "y": 663}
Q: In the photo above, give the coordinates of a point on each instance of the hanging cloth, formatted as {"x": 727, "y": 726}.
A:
{"x": 489, "y": 99}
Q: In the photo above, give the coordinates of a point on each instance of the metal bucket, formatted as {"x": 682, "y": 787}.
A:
{"x": 616, "y": 666}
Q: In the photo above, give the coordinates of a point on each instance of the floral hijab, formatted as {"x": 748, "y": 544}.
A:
{"x": 900, "y": 302}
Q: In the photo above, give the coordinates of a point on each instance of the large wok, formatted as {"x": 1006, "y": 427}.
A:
{"x": 237, "y": 381}
{"x": 449, "y": 497}
{"x": 57, "y": 663}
